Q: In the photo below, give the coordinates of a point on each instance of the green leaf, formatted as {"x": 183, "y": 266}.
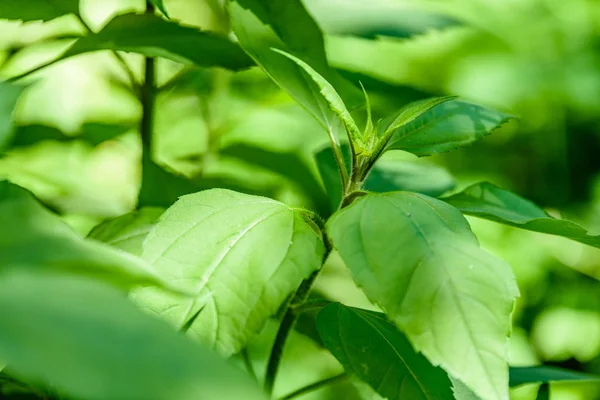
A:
{"x": 262, "y": 26}
{"x": 440, "y": 128}
{"x": 289, "y": 164}
{"x": 37, "y": 10}
{"x": 93, "y": 133}
{"x": 9, "y": 95}
{"x": 241, "y": 254}
{"x": 398, "y": 172}
{"x": 488, "y": 201}
{"x": 417, "y": 258}
{"x": 462, "y": 392}
{"x": 394, "y": 171}
{"x": 415, "y": 110}
{"x": 162, "y": 187}
{"x": 154, "y": 36}
{"x": 292, "y": 25}
{"x": 373, "y": 350}
{"x": 160, "y": 5}
{"x": 88, "y": 342}
{"x": 127, "y": 232}
{"x": 43, "y": 241}
{"x": 544, "y": 374}
{"x": 333, "y": 99}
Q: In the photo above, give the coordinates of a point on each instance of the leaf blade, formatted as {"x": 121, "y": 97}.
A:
{"x": 417, "y": 258}
{"x": 57, "y": 247}
{"x": 9, "y": 95}
{"x": 485, "y": 200}
{"x": 89, "y": 342}
{"x": 546, "y": 374}
{"x": 241, "y": 254}
{"x": 443, "y": 127}
{"x": 37, "y": 10}
{"x": 373, "y": 350}
{"x": 153, "y": 36}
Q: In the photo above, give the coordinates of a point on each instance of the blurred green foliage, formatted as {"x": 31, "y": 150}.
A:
{"x": 75, "y": 145}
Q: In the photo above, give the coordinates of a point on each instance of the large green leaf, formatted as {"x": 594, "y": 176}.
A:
{"x": 262, "y": 26}
{"x": 9, "y": 94}
{"x": 241, "y": 254}
{"x": 544, "y": 374}
{"x": 128, "y": 231}
{"x": 37, "y": 10}
{"x": 417, "y": 258}
{"x": 488, "y": 201}
{"x": 373, "y": 350}
{"x": 88, "y": 342}
{"x": 33, "y": 237}
{"x": 441, "y": 128}
{"x": 154, "y": 36}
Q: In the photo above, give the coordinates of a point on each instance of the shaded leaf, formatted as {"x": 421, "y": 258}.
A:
{"x": 373, "y": 350}
{"x": 154, "y": 36}
{"x": 288, "y": 164}
{"x": 374, "y": 19}
{"x": 37, "y": 10}
{"x": 89, "y": 342}
{"x": 127, "y": 232}
{"x": 417, "y": 258}
{"x": 93, "y": 133}
{"x": 445, "y": 127}
{"x": 488, "y": 201}
{"x": 9, "y": 94}
{"x": 162, "y": 187}
{"x": 396, "y": 172}
{"x": 545, "y": 374}
{"x": 242, "y": 255}
{"x": 43, "y": 241}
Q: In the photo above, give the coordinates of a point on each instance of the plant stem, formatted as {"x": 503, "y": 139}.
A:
{"x": 147, "y": 97}
{"x": 339, "y": 157}
{"x": 287, "y": 323}
{"x": 315, "y": 386}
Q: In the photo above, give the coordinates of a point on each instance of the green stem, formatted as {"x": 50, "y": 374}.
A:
{"x": 147, "y": 97}
{"x": 287, "y": 323}
{"x": 315, "y": 386}
{"x": 339, "y": 157}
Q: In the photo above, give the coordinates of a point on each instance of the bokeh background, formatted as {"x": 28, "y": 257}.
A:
{"x": 537, "y": 59}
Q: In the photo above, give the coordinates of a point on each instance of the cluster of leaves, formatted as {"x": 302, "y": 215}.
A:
{"x": 218, "y": 263}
